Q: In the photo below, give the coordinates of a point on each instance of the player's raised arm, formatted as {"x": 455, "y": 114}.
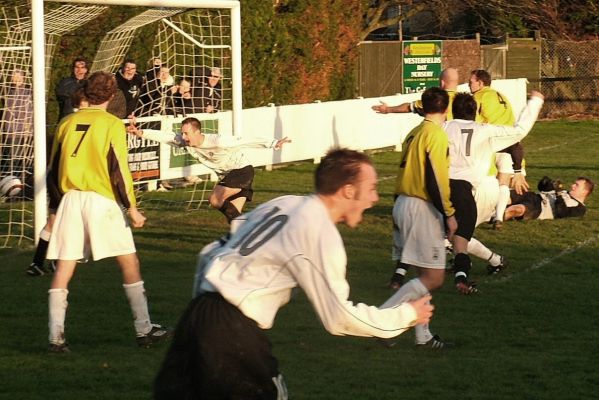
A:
{"x": 279, "y": 144}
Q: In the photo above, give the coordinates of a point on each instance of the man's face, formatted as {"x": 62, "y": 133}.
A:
{"x": 214, "y": 78}
{"x": 578, "y": 190}
{"x": 80, "y": 70}
{"x": 17, "y": 78}
{"x": 475, "y": 84}
{"x": 164, "y": 73}
{"x": 365, "y": 195}
{"x": 192, "y": 138}
{"x": 129, "y": 71}
{"x": 185, "y": 89}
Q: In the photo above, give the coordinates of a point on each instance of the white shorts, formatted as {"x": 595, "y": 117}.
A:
{"x": 485, "y": 196}
{"x": 88, "y": 223}
{"x": 418, "y": 233}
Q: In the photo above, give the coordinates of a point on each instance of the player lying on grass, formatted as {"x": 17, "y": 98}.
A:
{"x": 552, "y": 201}
{"x": 220, "y": 153}
{"x": 220, "y": 350}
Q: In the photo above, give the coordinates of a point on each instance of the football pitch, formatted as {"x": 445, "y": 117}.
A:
{"x": 531, "y": 333}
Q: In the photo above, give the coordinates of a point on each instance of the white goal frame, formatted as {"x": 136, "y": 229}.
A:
{"x": 39, "y": 84}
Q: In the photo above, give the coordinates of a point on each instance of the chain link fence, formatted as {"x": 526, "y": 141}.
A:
{"x": 570, "y": 78}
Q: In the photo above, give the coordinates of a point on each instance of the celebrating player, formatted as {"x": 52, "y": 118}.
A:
{"x": 89, "y": 185}
{"x": 494, "y": 108}
{"x": 220, "y": 350}
{"x": 473, "y": 192}
{"x": 221, "y": 154}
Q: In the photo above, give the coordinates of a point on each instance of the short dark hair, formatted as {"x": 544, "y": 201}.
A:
{"x": 482, "y": 76}
{"x": 339, "y": 167}
{"x": 101, "y": 87}
{"x": 590, "y": 185}
{"x": 79, "y": 59}
{"x": 128, "y": 61}
{"x": 194, "y": 122}
{"x": 435, "y": 100}
{"x": 464, "y": 106}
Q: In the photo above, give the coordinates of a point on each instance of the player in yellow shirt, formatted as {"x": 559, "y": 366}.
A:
{"x": 494, "y": 108}
{"x": 90, "y": 185}
{"x": 423, "y": 213}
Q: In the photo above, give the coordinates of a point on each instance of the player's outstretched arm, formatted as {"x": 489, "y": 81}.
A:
{"x": 384, "y": 108}
{"x": 534, "y": 93}
{"x": 279, "y": 144}
{"x": 424, "y": 309}
{"x": 132, "y": 128}
{"x": 381, "y": 108}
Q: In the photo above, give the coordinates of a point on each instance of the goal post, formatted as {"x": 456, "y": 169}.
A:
{"x": 41, "y": 48}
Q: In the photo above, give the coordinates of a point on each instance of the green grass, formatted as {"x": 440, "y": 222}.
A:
{"x": 532, "y": 333}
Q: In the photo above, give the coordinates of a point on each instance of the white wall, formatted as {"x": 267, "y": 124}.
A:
{"x": 314, "y": 128}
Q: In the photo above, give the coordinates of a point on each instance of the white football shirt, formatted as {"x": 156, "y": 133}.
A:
{"x": 288, "y": 242}
{"x": 472, "y": 145}
{"x": 218, "y": 152}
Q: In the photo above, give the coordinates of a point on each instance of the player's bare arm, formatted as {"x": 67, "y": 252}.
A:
{"x": 281, "y": 142}
{"x": 137, "y": 218}
{"x": 384, "y": 108}
{"x": 519, "y": 183}
{"x": 452, "y": 226}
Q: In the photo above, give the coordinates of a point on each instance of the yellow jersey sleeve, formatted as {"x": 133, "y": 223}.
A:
{"x": 424, "y": 167}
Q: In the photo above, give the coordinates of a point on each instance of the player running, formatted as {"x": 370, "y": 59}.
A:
{"x": 220, "y": 350}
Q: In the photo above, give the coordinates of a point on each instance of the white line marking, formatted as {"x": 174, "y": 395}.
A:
{"x": 545, "y": 261}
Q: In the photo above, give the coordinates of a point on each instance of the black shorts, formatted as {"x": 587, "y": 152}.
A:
{"x": 218, "y": 353}
{"x": 465, "y": 207}
{"x": 531, "y": 200}
{"x": 241, "y": 178}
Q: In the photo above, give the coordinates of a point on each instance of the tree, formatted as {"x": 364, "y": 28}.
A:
{"x": 556, "y": 19}
{"x": 441, "y": 12}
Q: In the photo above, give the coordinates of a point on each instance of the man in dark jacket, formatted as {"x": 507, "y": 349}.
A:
{"x": 67, "y": 86}
{"x": 129, "y": 82}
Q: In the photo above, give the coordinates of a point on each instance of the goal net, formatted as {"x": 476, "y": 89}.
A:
{"x": 16, "y": 110}
{"x": 185, "y": 60}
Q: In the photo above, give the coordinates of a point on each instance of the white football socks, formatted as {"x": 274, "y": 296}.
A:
{"x": 412, "y": 290}
{"x": 479, "y": 250}
{"x": 138, "y": 302}
{"x": 502, "y": 201}
{"x": 57, "y": 310}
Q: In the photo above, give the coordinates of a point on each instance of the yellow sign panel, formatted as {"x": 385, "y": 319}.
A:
{"x": 422, "y": 49}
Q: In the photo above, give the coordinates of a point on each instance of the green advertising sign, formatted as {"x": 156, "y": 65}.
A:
{"x": 421, "y": 65}
{"x": 179, "y": 156}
